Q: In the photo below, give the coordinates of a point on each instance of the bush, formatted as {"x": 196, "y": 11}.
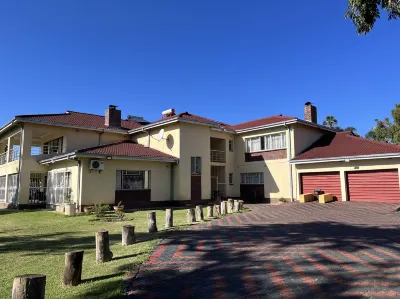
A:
{"x": 282, "y": 199}
{"x": 99, "y": 210}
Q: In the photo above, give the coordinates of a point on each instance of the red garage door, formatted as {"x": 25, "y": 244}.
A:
{"x": 375, "y": 185}
{"x": 328, "y": 182}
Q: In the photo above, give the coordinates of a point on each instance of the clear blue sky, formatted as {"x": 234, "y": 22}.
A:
{"x": 228, "y": 60}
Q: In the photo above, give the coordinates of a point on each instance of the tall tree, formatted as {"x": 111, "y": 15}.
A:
{"x": 364, "y": 13}
{"x": 330, "y": 122}
{"x": 387, "y": 130}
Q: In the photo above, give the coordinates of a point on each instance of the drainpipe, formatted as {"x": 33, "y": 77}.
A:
{"x": 290, "y": 165}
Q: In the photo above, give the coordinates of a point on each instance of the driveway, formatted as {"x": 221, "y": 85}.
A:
{"x": 336, "y": 250}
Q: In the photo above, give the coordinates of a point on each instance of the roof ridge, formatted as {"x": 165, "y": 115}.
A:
{"x": 48, "y": 114}
{"x": 102, "y": 116}
{"x": 262, "y": 118}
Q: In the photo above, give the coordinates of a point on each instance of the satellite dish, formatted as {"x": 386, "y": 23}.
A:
{"x": 160, "y": 135}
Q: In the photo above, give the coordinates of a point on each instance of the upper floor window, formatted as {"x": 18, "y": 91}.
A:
{"x": 131, "y": 180}
{"x": 231, "y": 145}
{"x": 53, "y": 146}
{"x": 253, "y": 178}
{"x": 266, "y": 143}
{"x": 195, "y": 165}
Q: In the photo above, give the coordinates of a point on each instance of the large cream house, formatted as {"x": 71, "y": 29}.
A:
{"x": 184, "y": 158}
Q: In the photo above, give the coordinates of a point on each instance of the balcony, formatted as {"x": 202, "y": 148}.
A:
{"x": 46, "y": 150}
{"x": 218, "y": 156}
{"x": 13, "y": 155}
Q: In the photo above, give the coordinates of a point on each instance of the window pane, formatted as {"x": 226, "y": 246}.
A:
{"x": 198, "y": 164}
{"x": 193, "y": 164}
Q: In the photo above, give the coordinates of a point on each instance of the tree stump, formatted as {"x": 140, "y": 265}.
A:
{"x": 210, "y": 213}
{"x": 151, "y": 222}
{"x": 241, "y": 205}
{"x": 236, "y": 206}
{"x": 29, "y": 286}
{"x": 103, "y": 252}
{"x": 169, "y": 218}
{"x": 73, "y": 268}
{"x": 199, "y": 213}
{"x": 223, "y": 207}
{"x": 217, "y": 210}
{"x": 128, "y": 235}
{"x": 190, "y": 216}
{"x": 230, "y": 206}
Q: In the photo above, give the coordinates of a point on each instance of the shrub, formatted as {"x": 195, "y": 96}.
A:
{"x": 99, "y": 209}
{"x": 282, "y": 199}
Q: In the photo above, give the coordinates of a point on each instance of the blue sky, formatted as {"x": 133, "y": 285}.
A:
{"x": 228, "y": 60}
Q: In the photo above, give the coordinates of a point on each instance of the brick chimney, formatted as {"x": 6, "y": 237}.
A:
{"x": 113, "y": 117}
{"x": 310, "y": 113}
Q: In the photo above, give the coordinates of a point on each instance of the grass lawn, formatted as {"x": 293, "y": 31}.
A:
{"x": 34, "y": 242}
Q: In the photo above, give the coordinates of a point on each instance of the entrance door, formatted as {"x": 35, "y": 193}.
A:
{"x": 195, "y": 187}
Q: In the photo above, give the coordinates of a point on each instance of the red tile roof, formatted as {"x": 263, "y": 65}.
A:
{"x": 262, "y": 122}
{"x": 78, "y": 119}
{"x": 127, "y": 149}
{"x": 195, "y": 118}
{"x": 345, "y": 144}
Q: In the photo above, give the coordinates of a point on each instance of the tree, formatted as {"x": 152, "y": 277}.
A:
{"x": 387, "y": 130}
{"x": 350, "y": 128}
{"x": 330, "y": 122}
{"x": 364, "y": 13}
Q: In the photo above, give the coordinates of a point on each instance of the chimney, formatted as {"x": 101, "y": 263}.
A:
{"x": 113, "y": 117}
{"x": 310, "y": 113}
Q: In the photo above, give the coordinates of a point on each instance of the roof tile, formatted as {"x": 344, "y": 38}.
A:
{"x": 262, "y": 122}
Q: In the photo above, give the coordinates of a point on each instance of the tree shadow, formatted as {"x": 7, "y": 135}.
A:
{"x": 298, "y": 260}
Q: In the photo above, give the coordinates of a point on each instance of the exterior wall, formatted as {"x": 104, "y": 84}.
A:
{"x": 343, "y": 167}
{"x": 100, "y": 186}
{"x": 303, "y": 137}
{"x": 276, "y": 171}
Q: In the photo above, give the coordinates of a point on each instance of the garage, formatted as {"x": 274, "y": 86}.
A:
{"x": 373, "y": 186}
{"x": 328, "y": 182}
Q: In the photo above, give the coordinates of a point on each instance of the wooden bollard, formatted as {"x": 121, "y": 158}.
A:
{"x": 217, "y": 210}
{"x": 128, "y": 235}
{"x": 103, "y": 252}
{"x": 151, "y": 222}
{"x": 190, "y": 216}
{"x": 241, "y": 205}
{"x": 223, "y": 207}
{"x": 199, "y": 213}
{"x": 169, "y": 218}
{"x": 73, "y": 268}
{"x": 29, "y": 286}
{"x": 210, "y": 213}
{"x": 230, "y": 206}
{"x": 236, "y": 206}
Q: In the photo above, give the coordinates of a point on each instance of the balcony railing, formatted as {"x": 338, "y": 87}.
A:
{"x": 46, "y": 150}
{"x": 3, "y": 158}
{"x": 13, "y": 155}
{"x": 217, "y": 156}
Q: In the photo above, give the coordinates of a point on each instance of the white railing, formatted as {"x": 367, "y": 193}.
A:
{"x": 3, "y": 158}
{"x": 14, "y": 154}
{"x": 217, "y": 156}
{"x": 46, "y": 150}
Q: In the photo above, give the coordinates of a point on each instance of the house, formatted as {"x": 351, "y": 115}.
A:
{"x": 184, "y": 159}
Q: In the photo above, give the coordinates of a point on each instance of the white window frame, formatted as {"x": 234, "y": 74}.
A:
{"x": 120, "y": 174}
{"x": 230, "y": 145}
{"x": 230, "y": 178}
{"x": 3, "y": 188}
{"x": 268, "y": 142}
{"x": 12, "y": 187}
{"x": 57, "y": 188}
{"x": 252, "y": 178}
{"x": 195, "y": 165}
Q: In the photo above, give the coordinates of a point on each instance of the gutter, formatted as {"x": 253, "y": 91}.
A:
{"x": 346, "y": 158}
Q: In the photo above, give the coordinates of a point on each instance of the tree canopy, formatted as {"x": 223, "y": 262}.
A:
{"x": 387, "y": 130}
{"x": 331, "y": 122}
{"x": 364, "y": 13}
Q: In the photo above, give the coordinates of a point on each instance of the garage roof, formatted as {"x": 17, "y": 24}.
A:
{"x": 346, "y": 144}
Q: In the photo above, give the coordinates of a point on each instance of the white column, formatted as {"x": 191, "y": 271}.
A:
{"x": 343, "y": 184}
{"x": 8, "y": 149}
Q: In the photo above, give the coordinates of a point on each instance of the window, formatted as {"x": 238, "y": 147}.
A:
{"x": 231, "y": 179}
{"x": 133, "y": 179}
{"x": 2, "y": 188}
{"x": 231, "y": 145}
{"x": 254, "y": 178}
{"x": 58, "y": 186}
{"x": 195, "y": 165}
{"x": 53, "y": 147}
{"x": 12, "y": 188}
{"x": 266, "y": 143}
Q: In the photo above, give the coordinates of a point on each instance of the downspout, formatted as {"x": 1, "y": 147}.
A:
{"x": 290, "y": 165}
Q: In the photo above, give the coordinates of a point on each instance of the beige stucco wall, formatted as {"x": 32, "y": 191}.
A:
{"x": 276, "y": 172}
{"x": 343, "y": 167}
{"x": 100, "y": 186}
{"x": 303, "y": 137}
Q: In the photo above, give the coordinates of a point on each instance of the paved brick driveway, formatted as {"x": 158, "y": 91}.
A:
{"x": 337, "y": 250}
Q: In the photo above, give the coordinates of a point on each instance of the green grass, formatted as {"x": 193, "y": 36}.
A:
{"x": 34, "y": 242}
